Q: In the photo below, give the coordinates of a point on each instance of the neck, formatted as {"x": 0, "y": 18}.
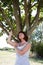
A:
{"x": 23, "y": 41}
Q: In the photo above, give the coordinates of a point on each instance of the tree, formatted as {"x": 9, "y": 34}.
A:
{"x": 13, "y": 18}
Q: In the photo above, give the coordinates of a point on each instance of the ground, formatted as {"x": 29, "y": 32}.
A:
{"x": 8, "y": 58}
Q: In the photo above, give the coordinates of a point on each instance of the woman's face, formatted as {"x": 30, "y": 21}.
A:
{"x": 21, "y": 35}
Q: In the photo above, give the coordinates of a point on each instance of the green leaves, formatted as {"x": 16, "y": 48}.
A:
{"x": 6, "y": 2}
{"x": 1, "y": 33}
{"x": 15, "y": 14}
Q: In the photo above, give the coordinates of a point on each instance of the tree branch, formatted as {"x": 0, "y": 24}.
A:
{"x": 27, "y": 7}
{"x": 34, "y": 5}
{"x": 34, "y": 25}
{"x": 17, "y": 15}
{"x": 3, "y": 27}
{"x": 7, "y": 20}
{"x": 36, "y": 21}
{"x": 41, "y": 19}
{"x": 26, "y": 13}
{"x": 37, "y": 15}
{"x": 33, "y": 19}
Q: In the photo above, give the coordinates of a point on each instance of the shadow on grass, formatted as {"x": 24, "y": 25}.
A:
{"x": 36, "y": 59}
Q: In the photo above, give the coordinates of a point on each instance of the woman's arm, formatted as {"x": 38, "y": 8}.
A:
{"x": 21, "y": 52}
{"x": 9, "y": 41}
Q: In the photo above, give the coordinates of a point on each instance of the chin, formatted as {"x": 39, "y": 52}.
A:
{"x": 20, "y": 38}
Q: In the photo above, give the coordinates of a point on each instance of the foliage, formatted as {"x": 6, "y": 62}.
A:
{"x": 1, "y": 33}
{"x": 39, "y": 50}
{"x": 16, "y": 14}
{"x": 7, "y": 49}
{"x": 33, "y": 48}
{"x": 37, "y": 41}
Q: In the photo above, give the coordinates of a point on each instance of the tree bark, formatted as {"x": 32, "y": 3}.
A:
{"x": 35, "y": 23}
{"x": 17, "y": 15}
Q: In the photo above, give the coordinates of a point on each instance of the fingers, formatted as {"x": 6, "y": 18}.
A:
{"x": 10, "y": 33}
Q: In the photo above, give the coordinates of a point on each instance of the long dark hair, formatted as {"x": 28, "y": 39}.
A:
{"x": 25, "y": 36}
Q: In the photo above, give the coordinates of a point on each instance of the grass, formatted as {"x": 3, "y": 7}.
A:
{"x": 8, "y": 58}
{"x": 37, "y": 60}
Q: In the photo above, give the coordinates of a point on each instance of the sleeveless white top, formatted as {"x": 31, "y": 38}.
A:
{"x": 22, "y": 59}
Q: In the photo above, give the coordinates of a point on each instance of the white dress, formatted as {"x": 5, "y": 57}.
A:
{"x": 22, "y": 59}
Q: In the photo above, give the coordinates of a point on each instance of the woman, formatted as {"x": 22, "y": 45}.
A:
{"x": 21, "y": 48}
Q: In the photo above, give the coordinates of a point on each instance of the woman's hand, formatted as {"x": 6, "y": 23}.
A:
{"x": 10, "y": 33}
{"x": 9, "y": 41}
